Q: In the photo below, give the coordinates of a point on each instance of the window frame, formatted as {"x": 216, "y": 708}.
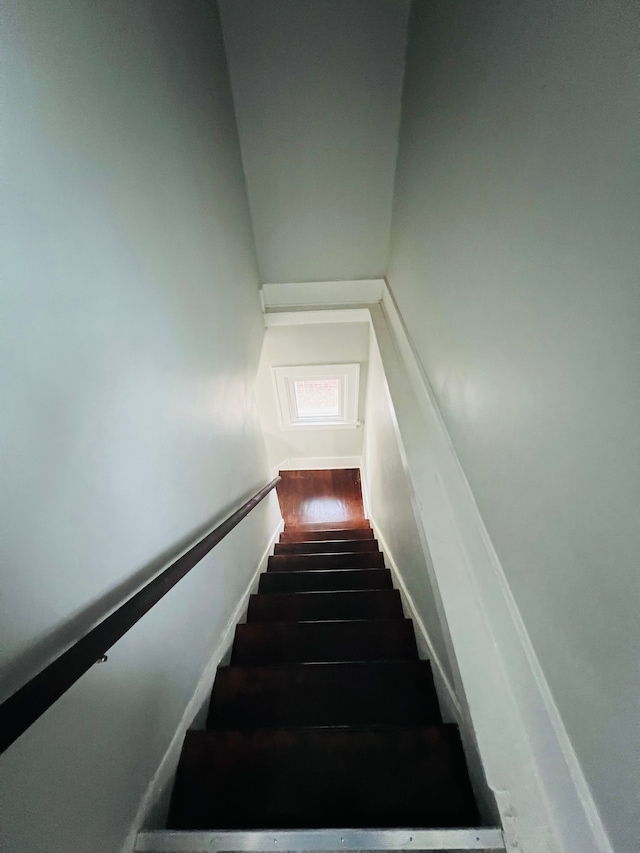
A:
{"x": 285, "y": 378}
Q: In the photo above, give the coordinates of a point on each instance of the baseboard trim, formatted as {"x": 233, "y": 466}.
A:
{"x": 167, "y": 765}
{"x": 544, "y": 800}
{"x": 317, "y": 463}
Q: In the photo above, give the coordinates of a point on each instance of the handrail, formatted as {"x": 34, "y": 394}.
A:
{"x": 24, "y": 707}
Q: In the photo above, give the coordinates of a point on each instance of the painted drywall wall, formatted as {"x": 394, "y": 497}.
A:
{"x": 514, "y": 263}
{"x": 341, "y": 343}
{"x": 316, "y": 86}
{"x": 389, "y": 503}
{"x": 131, "y": 339}
{"x": 393, "y": 508}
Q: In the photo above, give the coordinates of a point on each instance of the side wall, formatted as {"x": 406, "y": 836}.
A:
{"x": 514, "y": 264}
{"x": 391, "y": 504}
{"x": 131, "y": 340}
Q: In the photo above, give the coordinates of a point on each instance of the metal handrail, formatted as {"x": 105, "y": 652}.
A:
{"x": 28, "y": 703}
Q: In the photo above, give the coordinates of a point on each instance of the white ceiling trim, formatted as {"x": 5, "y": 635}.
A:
{"x": 308, "y": 294}
{"x": 314, "y": 318}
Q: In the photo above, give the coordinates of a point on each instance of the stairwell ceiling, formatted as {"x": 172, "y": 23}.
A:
{"x": 317, "y": 88}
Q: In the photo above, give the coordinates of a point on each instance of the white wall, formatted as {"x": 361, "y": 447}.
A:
{"x": 389, "y": 499}
{"x": 393, "y": 507}
{"x": 514, "y": 263}
{"x": 317, "y": 86}
{"x": 131, "y": 339}
{"x": 342, "y": 343}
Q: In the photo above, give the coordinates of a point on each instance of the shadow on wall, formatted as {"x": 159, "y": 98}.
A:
{"x": 40, "y": 653}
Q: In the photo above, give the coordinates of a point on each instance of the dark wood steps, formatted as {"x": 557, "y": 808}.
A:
{"x": 304, "y": 562}
{"x": 294, "y": 535}
{"x": 320, "y": 606}
{"x": 325, "y": 579}
{"x": 307, "y": 778}
{"x": 325, "y": 717}
{"x": 313, "y": 642}
{"x": 338, "y": 694}
{"x": 326, "y": 546}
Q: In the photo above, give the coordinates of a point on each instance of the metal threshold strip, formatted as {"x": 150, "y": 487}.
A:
{"x": 488, "y": 840}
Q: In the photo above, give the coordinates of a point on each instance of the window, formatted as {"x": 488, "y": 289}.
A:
{"x": 318, "y": 396}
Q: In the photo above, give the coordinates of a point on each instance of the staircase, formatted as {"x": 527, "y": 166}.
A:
{"x": 324, "y": 718}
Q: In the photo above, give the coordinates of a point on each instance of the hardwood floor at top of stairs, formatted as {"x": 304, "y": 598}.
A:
{"x": 327, "y": 497}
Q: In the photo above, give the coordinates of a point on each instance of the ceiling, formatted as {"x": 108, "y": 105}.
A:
{"x": 317, "y": 88}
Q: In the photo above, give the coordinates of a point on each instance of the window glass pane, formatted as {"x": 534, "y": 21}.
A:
{"x": 317, "y": 397}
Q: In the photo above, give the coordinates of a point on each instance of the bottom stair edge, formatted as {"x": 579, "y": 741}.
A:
{"x": 488, "y": 839}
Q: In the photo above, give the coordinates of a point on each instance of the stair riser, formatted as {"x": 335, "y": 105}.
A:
{"x": 300, "y": 778}
{"x": 312, "y": 642}
{"x": 324, "y": 695}
{"x": 305, "y": 562}
{"x": 317, "y": 606}
{"x": 314, "y": 535}
{"x": 319, "y": 580}
{"x": 325, "y": 546}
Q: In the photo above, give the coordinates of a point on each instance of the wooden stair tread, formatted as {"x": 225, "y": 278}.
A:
{"x": 337, "y": 694}
{"x": 319, "y": 606}
{"x": 301, "y": 642}
{"x": 325, "y": 579}
{"x": 306, "y": 778}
